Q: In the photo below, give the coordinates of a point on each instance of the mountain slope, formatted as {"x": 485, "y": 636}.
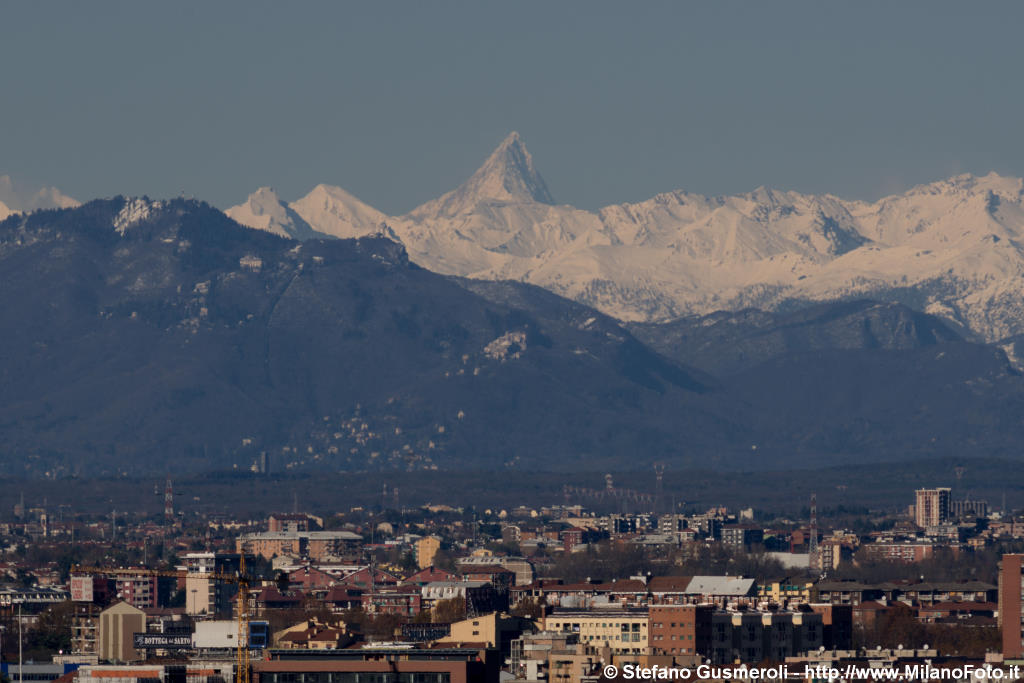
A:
{"x": 727, "y": 343}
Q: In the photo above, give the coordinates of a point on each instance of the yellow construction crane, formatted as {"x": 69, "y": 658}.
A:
{"x": 241, "y": 579}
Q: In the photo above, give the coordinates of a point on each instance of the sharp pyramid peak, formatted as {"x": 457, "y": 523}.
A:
{"x": 512, "y": 139}
{"x": 507, "y": 175}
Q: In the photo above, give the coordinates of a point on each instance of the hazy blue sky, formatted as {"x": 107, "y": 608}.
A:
{"x": 399, "y": 102}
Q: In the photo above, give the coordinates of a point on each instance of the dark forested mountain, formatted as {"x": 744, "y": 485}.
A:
{"x": 726, "y": 342}
{"x": 146, "y": 337}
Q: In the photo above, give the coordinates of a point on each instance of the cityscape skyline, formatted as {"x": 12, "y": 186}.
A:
{"x": 725, "y": 383}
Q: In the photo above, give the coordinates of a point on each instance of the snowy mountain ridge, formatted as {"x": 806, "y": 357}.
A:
{"x": 954, "y": 248}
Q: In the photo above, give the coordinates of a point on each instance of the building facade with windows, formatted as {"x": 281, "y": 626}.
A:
{"x": 680, "y": 629}
{"x": 931, "y": 507}
{"x": 1011, "y": 597}
{"x": 623, "y": 631}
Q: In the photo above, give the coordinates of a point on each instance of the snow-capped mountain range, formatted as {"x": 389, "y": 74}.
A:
{"x": 954, "y": 248}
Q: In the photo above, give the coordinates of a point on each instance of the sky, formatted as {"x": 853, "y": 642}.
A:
{"x": 398, "y": 102}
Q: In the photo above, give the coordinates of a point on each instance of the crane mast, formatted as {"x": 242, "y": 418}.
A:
{"x": 242, "y": 653}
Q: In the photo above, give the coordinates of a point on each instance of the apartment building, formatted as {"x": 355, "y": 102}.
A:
{"x": 680, "y": 629}
{"x": 1011, "y": 598}
{"x": 623, "y": 631}
{"x": 931, "y": 507}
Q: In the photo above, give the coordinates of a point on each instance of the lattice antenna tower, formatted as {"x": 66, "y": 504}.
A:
{"x": 169, "y": 501}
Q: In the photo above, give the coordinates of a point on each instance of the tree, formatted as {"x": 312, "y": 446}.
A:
{"x": 900, "y": 627}
{"x": 528, "y": 608}
{"x": 51, "y": 632}
{"x": 444, "y": 560}
{"x": 449, "y": 611}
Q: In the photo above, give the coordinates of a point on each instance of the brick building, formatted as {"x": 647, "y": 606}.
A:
{"x": 680, "y": 629}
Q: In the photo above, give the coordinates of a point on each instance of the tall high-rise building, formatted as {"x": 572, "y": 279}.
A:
{"x": 204, "y": 595}
{"x": 931, "y": 507}
{"x": 1011, "y": 592}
